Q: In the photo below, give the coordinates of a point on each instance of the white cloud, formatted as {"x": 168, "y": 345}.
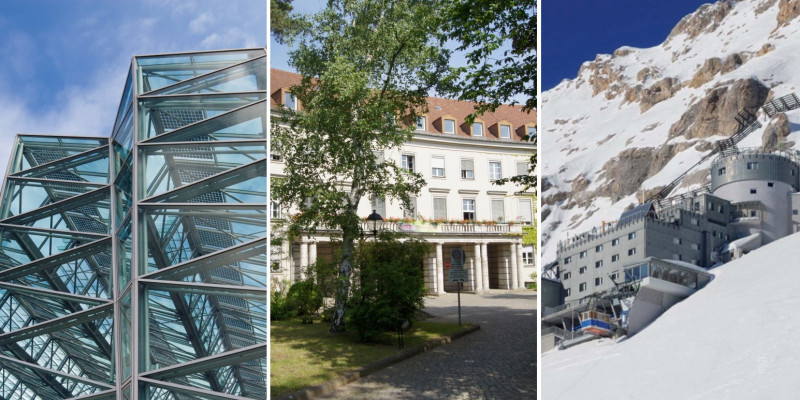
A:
{"x": 201, "y": 23}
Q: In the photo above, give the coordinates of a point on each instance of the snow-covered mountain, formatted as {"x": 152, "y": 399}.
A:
{"x": 631, "y": 122}
{"x": 734, "y": 339}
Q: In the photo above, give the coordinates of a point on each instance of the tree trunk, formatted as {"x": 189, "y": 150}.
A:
{"x": 348, "y": 244}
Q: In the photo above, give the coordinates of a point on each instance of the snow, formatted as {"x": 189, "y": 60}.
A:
{"x": 734, "y": 339}
{"x": 582, "y": 131}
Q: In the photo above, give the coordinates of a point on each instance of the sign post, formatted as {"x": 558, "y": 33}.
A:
{"x": 458, "y": 274}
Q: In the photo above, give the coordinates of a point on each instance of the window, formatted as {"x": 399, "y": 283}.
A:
{"x": 522, "y": 168}
{"x": 408, "y": 162}
{"x": 695, "y": 246}
{"x": 421, "y": 123}
{"x": 275, "y": 157}
{"x": 677, "y": 240}
{"x": 379, "y": 159}
{"x": 631, "y": 235}
{"x": 411, "y": 212}
{"x": 614, "y": 242}
{"x": 498, "y": 212}
{"x": 582, "y": 270}
{"x": 449, "y": 126}
{"x": 752, "y": 213}
{"x": 615, "y": 257}
{"x": 495, "y": 171}
{"x": 290, "y": 100}
{"x": 676, "y": 256}
{"x": 467, "y": 169}
{"x": 567, "y": 292}
{"x": 525, "y": 211}
{"x": 721, "y": 171}
{"x": 598, "y": 248}
{"x": 379, "y": 205}
{"x": 527, "y": 257}
{"x": 598, "y": 264}
{"x": 582, "y": 287}
{"x": 505, "y": 131}
{"x": 566, "y": 275}
{"x": 439, "y": 208}
{"x": 710, "y": 206}
{"x": 694, "y": 221}
{"x": 615, "y": 275}
{"x": 632, "y": 251}
{"x": 770, "y": 184}
{"x": 582, "y": 254}
{"x": 274, "y": 210}
{"x": 598, "y": 281}
{"x": 469, "y": 209}
{"x": 531, "y": 132}
{"x": 752, "y": 191}
{"x": 794, "y": 212}
{"x": 477, "y": 129}
{"x": 437, "y": 167}
{"x": 567, "y": 260}
{"x": 752, "y": 165}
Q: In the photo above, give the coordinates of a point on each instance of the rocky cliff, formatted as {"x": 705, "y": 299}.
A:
{"x": 634, "y": 120}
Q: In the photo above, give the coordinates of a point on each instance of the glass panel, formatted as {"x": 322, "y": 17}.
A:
{"x": 160, "y": 115}
{"x": 245, "y": 123}
{"x": 247, "y": 77}
{"x": 162, "y": 70}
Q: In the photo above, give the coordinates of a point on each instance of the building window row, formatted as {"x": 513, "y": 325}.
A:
{"x": 408, "y": 162}
{"x": 477, "y": 129}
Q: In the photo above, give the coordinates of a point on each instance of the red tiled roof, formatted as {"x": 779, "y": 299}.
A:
{"x": 437, "y": 108}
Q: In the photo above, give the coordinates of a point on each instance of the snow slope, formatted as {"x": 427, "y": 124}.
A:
{"x": 590, "y": 120}
{"x": 735, "y": 339}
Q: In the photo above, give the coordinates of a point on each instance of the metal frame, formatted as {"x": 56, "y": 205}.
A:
{"x": 164, "y": 298}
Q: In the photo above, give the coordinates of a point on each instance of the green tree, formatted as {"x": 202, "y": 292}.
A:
{"x": 390, "y": 285}
{"x": 499, "y": 40}
{"x": 367, "y": 66}
{"x": 281, "y": 21}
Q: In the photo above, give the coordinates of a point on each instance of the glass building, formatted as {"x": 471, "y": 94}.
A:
{"x": 133, "y": 266}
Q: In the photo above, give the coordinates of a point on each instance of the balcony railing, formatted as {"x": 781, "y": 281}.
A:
{"x": 444, "y": 227}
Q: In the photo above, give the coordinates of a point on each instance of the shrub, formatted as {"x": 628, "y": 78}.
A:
{"x": 389, "y": 285}
{"x": 279, "y": 308}
{"x": 304, "y": 299}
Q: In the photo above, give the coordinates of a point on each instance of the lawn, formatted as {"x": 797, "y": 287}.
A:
{"x": 307, "y": 355}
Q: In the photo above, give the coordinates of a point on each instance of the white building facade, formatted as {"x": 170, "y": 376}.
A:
{"x": 459, "y": 207}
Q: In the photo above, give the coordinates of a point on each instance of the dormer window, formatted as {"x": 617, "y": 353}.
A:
{"x": 477, "y": 129}
{"x": 531, "y": 132}
{"x": 422, "y": 123}
{"x": 505, "y": 131}
{"x": 450, "y": 126}
{"x": 290, "y": 100}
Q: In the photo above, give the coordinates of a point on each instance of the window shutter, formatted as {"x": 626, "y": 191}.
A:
{"x": 497, "y": 209}
{"x": 437, "y": 162}
{"x": 467, "y": 165}
{"x": 525, "y": 210}
{"x": 439, "y": 208}
{"x": 522, "y": 168}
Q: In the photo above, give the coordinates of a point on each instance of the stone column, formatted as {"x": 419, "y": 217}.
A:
{"x": 435, "y": 283}
{"x": 439, "y": 269}
{"x": 522, "y": 276}
{"x": 485, "y": 264}
{"x": 476, "y": 257}
{"x": 514, "y": 266}
{"x": 312, "y": 253}
{"x": 303, "y": 258}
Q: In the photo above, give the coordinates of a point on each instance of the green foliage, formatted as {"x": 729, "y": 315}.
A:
{"x": 279, "y": 307}
{"x": 499, "y": 38}
{"x": 304, "y": 299}
{"x": 367, "y": 67}
{"x": 389, "y": 285}
{"x": 532, "y": 285}
{"x": 529, "y": 234}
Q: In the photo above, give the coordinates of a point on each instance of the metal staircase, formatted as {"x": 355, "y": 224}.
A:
{"x": 748, "y": 123}
{"x": 781, "y": 104}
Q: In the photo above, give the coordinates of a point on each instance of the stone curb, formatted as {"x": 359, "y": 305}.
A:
{"x": 375, "y": 366}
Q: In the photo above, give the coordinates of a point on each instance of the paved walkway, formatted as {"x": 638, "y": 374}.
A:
{"x": 496, "y": 362}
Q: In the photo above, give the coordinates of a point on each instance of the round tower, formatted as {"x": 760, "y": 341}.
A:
{"x": 758, "y": 184}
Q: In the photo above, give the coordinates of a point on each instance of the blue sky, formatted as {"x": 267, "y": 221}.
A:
{"x": 64, "y": 62}
{"x": 575, "y": 31}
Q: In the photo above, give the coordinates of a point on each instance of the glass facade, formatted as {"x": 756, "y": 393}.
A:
{"x": 134, "y": 266}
